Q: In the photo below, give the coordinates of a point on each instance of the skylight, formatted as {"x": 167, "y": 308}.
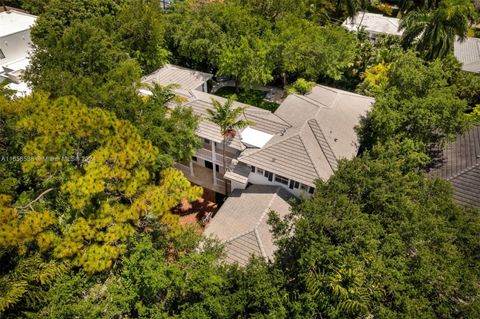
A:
{"x": 252, "y": 137}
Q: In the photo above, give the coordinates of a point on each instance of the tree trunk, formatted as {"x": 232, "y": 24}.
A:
{"x": 4, "y": 6}
{"x": 237, "y": 86}
{"x": 284, "y": 77}
{"x": 224, "y": 162}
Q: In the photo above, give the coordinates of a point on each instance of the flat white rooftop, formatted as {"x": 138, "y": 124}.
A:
{"x": 255, "y": 138}
{"x": 13, "y": 21}
{"x": 373, "y": 22}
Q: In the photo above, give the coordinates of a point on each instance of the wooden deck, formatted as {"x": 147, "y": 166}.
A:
{"x": 203, "y": 176}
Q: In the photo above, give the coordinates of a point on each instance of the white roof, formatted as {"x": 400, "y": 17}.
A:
{"x": 373, "y": 22}
{"x": 255, "y": 138}
{"x": 13, "y": 21}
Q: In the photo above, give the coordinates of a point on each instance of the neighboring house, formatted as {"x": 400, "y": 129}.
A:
{"x": 467, "y": 52}
{"x": 292, "y": 148}
{"x": 15, "y": 47}
{"x": 241, "y": 223}
{"x": 460, "y": 164}
{"x": 373, "y": 23}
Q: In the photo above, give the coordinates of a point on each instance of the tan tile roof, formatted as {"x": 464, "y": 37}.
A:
{"x": 322, "y": 132}
{"x": 187, "y": 79}
{"x": 263, "y": 120}
{"x": 241, "y": 223}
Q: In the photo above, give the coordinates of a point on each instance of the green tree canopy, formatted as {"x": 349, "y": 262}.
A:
{"x": 380, "y": 239}
{"x": 434, "y": 32}
{"x": 416, "y": 103}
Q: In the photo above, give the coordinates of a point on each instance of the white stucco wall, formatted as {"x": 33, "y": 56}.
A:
{"x": 15, "y": 47}
{"x": 258, "y": 179}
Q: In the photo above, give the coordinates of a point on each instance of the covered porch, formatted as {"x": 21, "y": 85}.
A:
{"x": 203, "y": 176}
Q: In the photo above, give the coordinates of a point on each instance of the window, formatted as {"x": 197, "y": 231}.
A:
{"x": 253, "y": 169}
{"x": 260, "y": 171}
{"x": 217, "y": 168}
{"x": 194, "y": 158}
{"x": 268, "y": 175}
{"x": 206, "y": 141}
{"x": 303, "y": 187}
{"x": 2, "y": 56}
{"x": 281, "y": 179}
{"x": 293, "y": 184}
{"x": 311, "y": 190}
{"x": 208, "y": 164}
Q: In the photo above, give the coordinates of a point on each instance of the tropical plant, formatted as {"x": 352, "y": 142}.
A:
{"x": 227, "y": 117}
{"x": 434, "y": 32}
{"x": 301, "y": 86}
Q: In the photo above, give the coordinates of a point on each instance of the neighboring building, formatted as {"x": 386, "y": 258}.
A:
{"x": 468, "y": 53}
{"x": 15, "y": 46}
{"x": 460, "y": 164}
{"x": 241, "y": 223}
{"x": 298, "y": 144}
{"x": 373, "y": 23}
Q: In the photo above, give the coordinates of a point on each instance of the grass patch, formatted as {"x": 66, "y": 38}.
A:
{"x": 251, "y": 97}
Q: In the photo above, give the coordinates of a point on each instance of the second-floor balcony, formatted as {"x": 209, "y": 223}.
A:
{"x": 203, "y": 176}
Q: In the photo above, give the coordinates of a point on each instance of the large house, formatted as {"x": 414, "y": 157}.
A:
{"x": 299, "y": 143}
{"x": 277, "y": 158}
{"x": 467, "y": 51}
{"x": 15, "y": 48}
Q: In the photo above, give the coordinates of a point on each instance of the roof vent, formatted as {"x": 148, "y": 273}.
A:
{"x": 282, "y": 133}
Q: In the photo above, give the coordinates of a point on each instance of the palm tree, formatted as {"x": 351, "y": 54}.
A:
{"x": 351, "y": 7}
{"x": 226, "y": 116}
{"x": 410, "y": 5}
{"x": 434, "y": 32}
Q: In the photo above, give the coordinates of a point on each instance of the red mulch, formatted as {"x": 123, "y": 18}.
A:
{"x": 191, "y": 213}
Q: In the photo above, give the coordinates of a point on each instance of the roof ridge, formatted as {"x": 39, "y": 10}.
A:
{"x": 309, "y": 157}
{"x": 271, "y": 145}
{"x": 254, "y": 228}
{"x": 345, "y": 92}
{"x": 333, "y": 163}
{"x": 260, "y": 244}
{"x": 310, "y": 100}
{"x": 463, "y": 171}
{"x": 238, "y": 236}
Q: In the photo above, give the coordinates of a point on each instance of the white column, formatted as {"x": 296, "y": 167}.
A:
{"x": 191, "y": 169}
{"x": 214, "y": 161}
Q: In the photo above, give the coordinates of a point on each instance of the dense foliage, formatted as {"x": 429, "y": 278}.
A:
{"x": 87, "y": 184}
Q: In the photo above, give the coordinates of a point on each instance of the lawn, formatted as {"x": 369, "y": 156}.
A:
{"x": 251, "y": 97}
